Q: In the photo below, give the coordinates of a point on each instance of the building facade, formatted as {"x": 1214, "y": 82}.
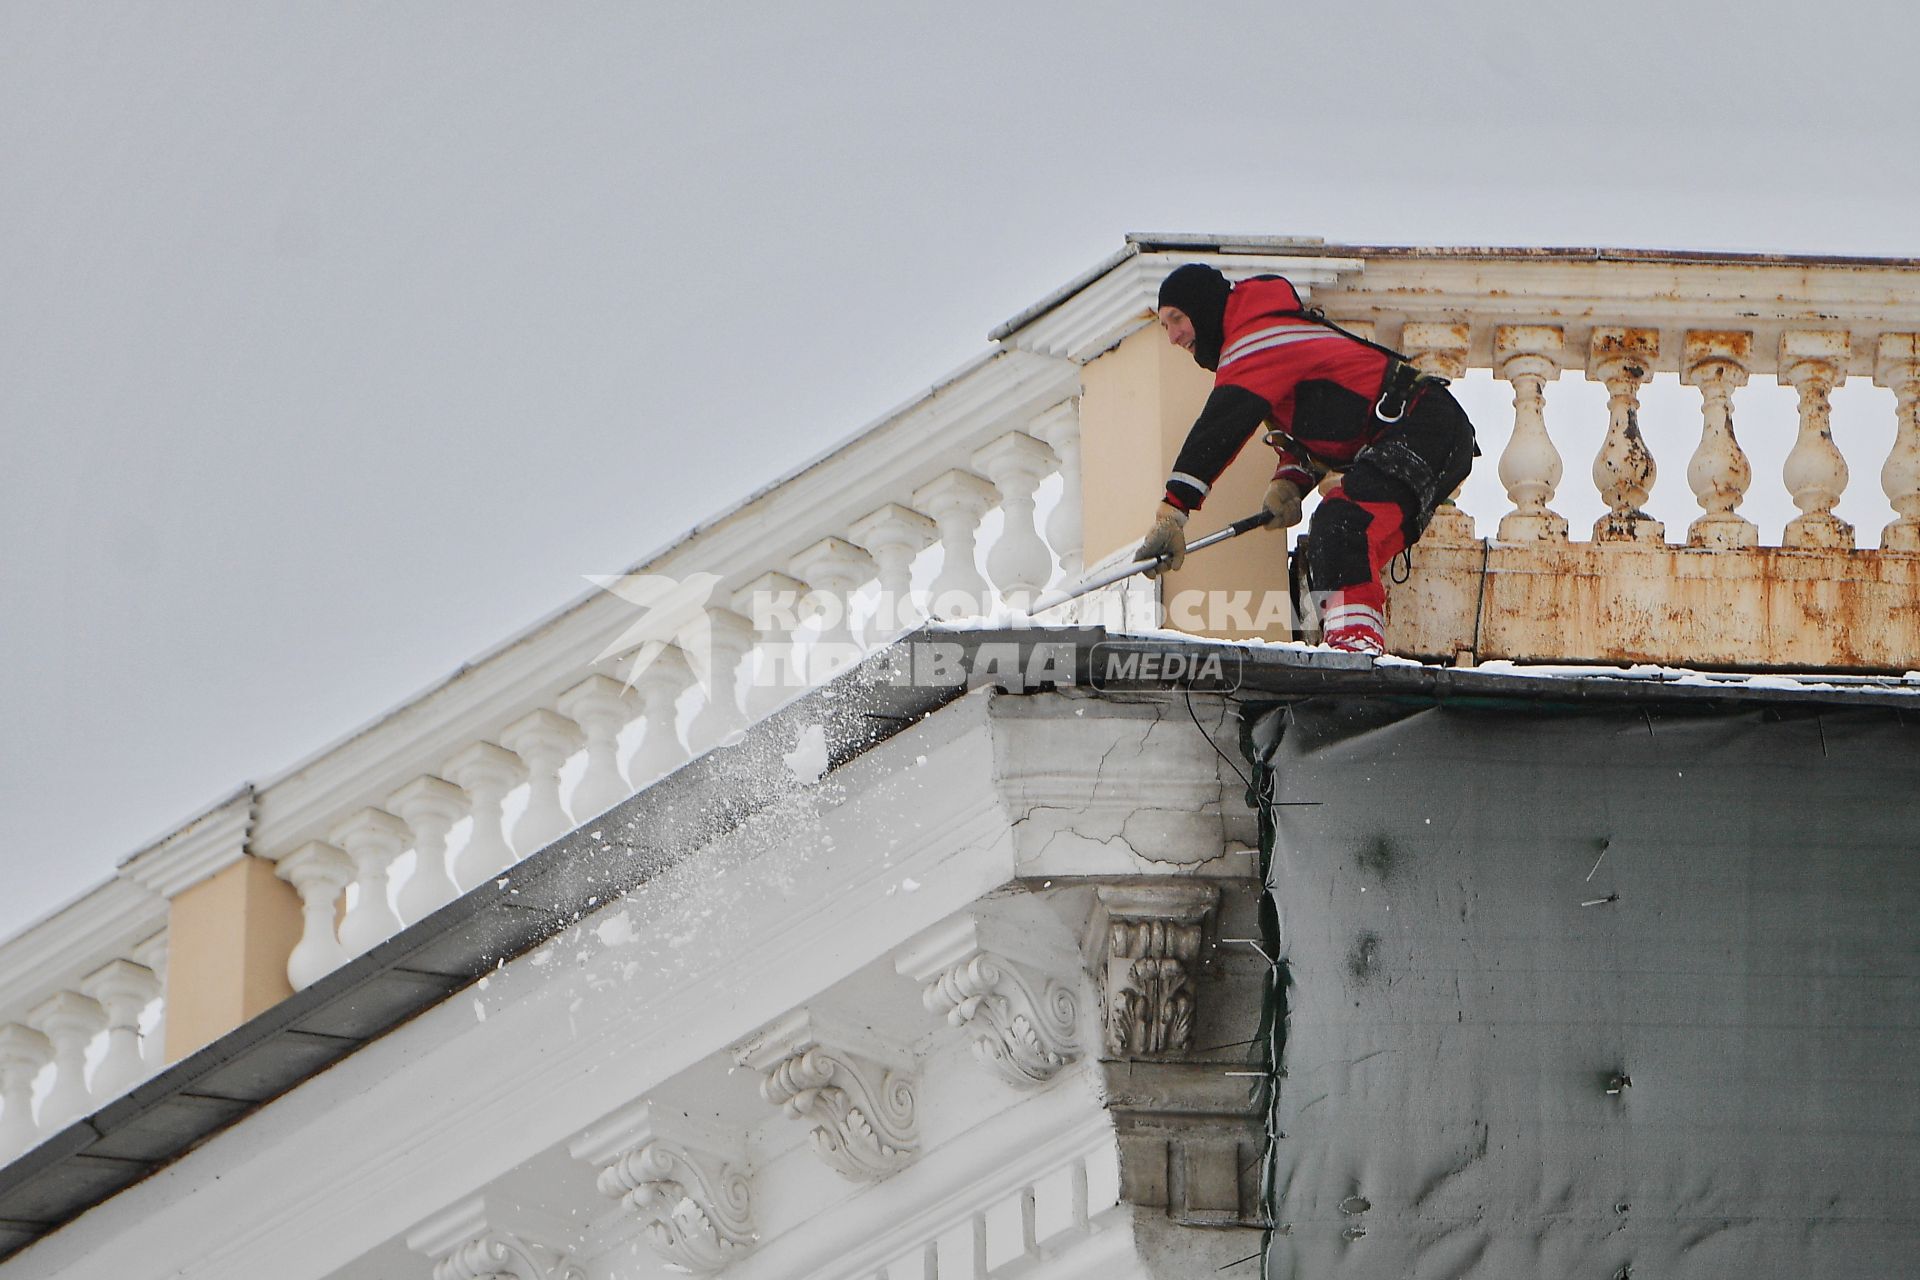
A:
{"x": 746, "y": 920}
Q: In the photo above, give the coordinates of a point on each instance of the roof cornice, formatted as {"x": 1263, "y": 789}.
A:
{"x": 197, "y": 851}
{"x": 1093, "y": 313}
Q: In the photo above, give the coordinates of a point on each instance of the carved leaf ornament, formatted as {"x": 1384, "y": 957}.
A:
{"x": 862, "y": 1114}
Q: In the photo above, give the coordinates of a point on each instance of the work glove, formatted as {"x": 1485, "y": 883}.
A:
{"x": 1283, "y": 501}
{"x": 1166, "y": 541}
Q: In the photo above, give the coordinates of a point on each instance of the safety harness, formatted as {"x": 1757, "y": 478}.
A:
{"x": 1399, "y": 388}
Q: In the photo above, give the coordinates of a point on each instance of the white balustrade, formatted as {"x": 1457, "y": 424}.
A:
{"x": 1060, "y": 428}
{"x": 772, "y": 602}
{"x": 601, "y": 706}
{"x": 69, "y": 1021}
{"x": 153, "y": 1046}
{"x": 1019, "y": 561}
{"x": 372, "y": 839}
{"x": 1814, "y": 363}
{"x": 487, "y": 772}
{"x": 1528, "y": 356}
{"x": 1622, "y": 360}
{"x": 833, "y": 570}
{"x": 1441, "y": 348}
{"x": 23, "y": 1052}
{"x": 1897, "y": 366}
{"x": 932, "y": 473}
{"x": 1717, "y": 362}
{"x": 894, "y": 535}
{"x": 660, "y": 685}
{"x": 728, "y": 640}
{"x": 124, "y": 990}
{"x": 956, "y": 500}
{"x": 544, "y": 739}
{"x": 429, "y": 806}
{"x": 319, "y": 873}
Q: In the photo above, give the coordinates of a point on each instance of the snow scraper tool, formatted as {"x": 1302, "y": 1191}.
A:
{"x": 1108, "y": 577}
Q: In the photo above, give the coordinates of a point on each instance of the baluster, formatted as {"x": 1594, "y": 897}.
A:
{"x": 1718, "y": 473}
{"x": 486, "y": 772}
{"x": 660, "y": 685}
{"x": 1624, "y": 470}
{"x": 1060, "y": 428}
{"x": 1018, "y": 560}
{"x": 772, "y": 602}
{"x": 956, "y": 500}
{"x": 1816, "y": 472}
{"x": 1528, "y": 356}
{"x": 1441, "y": 349}
{"x": 123, "y": 989}
{"x": 601, "y": 706}
{"x": 543, "y": 739}
{"x": 319, "y": 873}
{"x": 372, "y": 838}
{"x": 1897, "y": 366}
{"x": 894, "y": 535}
{"x": 429, "y": 806}
{"x": 729, "y": 639}
{"x": 153, "y": 1046}
{"x": 70, "y": 1021}
{"x": 833, "y": 570}
{"x": 23, "y": 1051}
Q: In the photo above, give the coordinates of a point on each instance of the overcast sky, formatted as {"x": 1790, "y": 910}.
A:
{"x": 337, "y": 341}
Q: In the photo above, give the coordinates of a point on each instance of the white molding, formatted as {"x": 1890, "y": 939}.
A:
{"x": 1019, "y": 1004}
{"x": 965, "y": 1177}
{"x": 449, "y": 1102}
{"x": 1581, "y": 294}
{"x": 855, "y": 1091}
{"x": 107, "y": 923}
{"x": 884, "y": 462}
{"x": 1120, "y": 301}
{"x": 203, "y": 848}
{"x": 683, "y": 1180}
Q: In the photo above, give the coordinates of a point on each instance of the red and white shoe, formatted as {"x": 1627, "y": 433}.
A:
{"x": 1359, "y": 637}
{"x": 1354, "y": 628}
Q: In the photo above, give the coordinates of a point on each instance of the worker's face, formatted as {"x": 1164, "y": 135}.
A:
{"x": 1179, "y": 327}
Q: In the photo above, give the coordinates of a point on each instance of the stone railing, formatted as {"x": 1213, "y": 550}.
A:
{"x": 1763, "y": 574}
{"x": 968, "y": 500}
{"x": 81, "y": 1019}
{"x": 930, "y": 511}
{"x": 1715, "y": 323}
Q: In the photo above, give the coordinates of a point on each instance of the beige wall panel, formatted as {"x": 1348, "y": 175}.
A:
{"x": 1774, "y": 607}
{"x": 228, "y": 941}
{"x": 1137, "y": 402}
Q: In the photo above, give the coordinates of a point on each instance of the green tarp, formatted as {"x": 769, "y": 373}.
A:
{"x": 1494, "y": 917}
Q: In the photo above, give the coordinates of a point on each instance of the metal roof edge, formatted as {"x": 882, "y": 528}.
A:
{"x": 1312, "y": 247}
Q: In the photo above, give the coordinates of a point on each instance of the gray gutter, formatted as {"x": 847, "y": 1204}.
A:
{"x": 167, "y": 1116}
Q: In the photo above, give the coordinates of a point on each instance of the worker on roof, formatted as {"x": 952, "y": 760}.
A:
{"x": 1332, "y": 401}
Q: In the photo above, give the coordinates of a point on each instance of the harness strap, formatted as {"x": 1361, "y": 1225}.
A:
{"x": 1403, "y": 381}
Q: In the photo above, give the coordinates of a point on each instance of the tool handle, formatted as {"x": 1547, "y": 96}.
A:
{"x": 1109, "y": 577}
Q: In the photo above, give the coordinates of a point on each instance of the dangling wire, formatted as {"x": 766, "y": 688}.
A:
{"x": 1400, "y": 568}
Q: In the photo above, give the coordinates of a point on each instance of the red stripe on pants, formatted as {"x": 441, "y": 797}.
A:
{"x": 1386, "y": 538}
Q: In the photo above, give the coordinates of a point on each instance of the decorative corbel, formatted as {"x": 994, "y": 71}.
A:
{"x": 840, "y": 1082}
{"x": 1024, "y": 1020}
{"x": 685, "y": 1182}
{"x": 467, "y": 1242}
{"x": 1148, "y": 939}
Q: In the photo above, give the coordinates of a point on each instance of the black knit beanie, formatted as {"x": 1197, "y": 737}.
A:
{"x": 1200, "y": 291}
